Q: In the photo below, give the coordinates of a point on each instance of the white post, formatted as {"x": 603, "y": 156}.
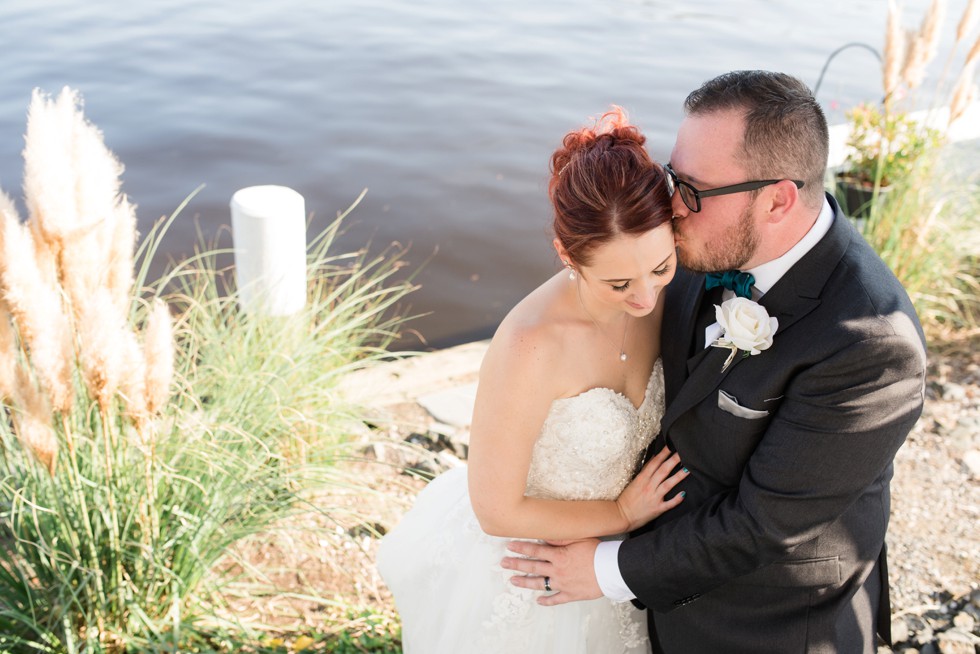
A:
{"x": 269, "y": 232}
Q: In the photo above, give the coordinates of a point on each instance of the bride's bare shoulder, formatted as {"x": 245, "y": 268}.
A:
{"x": 532, "y": 335}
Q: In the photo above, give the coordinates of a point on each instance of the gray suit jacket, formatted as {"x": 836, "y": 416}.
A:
{"x": 778, "y": 544}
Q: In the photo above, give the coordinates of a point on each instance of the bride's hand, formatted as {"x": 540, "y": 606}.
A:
{"x": 643, "y": 500}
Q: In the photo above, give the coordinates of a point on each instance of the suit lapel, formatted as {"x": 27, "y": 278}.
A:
{"x": 691, "y": 301}
{"x": 680, "y": 317}
{"x": 705, "y": 375}
{"x": 795, "y": 295}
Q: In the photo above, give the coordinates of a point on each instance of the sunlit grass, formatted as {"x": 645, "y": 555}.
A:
{"x": 925, "y": 230}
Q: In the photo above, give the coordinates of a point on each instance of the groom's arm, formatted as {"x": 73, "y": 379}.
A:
{"x": 834, "y": 435}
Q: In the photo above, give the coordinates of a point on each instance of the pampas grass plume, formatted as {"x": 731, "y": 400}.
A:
{"x": 72, "y": 191}
{"x": 49, "y": 164}
{"x": 102, "y": 360}
{"x": 923, "y": 45}
{"x": 932, "y": 26}
{"x": 969, "y": 20}
{"x": 32, "y": 421}
{"x": 894, "y": 49}
{"x": 916, "y": 59}
{"x": 133, "y": 381}
{"x": 46, "y": 253}
{"x": 8, "y": 355}
{"x": 121, "y": 246}
{"x": 158, "y": 344}
{"x": 973, "y": 56}
{"x": 36, "y": 308}
{"x": 97, "y": 201}
{"x": 964, "y": 94}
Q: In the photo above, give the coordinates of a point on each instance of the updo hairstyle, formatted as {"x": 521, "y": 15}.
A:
{"x": 603, "y": 183}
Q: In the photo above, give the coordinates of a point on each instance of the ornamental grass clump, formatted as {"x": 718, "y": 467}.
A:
{"x": 887, "y": 143}
{"x": 147, "y": 427}
{"x": 900, "y": 180}
{"x": 924, "y": 226}
{"x": 925, "y": 230}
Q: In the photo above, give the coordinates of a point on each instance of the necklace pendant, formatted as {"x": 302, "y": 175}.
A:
{"x": 622, "y": 356}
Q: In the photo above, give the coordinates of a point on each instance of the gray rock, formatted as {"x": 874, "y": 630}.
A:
{"x": 953, "y": 393}
{"x": 453, "y": 406}
{"x": 442, "y": 429}
{"x": 930, "y": 648}
{"x": 900, "y": 630}
{"x": 964, "y": 621}
{"x": 396, "y": 454}
{"x": 971, "y": 461}
{"x": 456, "y": 439}
{"x": 962, "y": 439}
{"x": 916, "y": 623}
{"x": 957, "y": 642}
{"x": 921, "y": 632}
{"x": 426, "y": 468}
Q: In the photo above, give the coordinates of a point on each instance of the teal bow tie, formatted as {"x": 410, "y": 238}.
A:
{"x": 734, "y": 280}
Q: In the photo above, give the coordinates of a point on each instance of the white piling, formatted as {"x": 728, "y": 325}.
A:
{"x": 269, "y": 232}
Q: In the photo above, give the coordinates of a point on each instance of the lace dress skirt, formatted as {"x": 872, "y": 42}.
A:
{"x": 454, "y": 597}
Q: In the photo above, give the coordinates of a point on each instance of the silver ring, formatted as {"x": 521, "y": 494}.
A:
{"x": 547, "y": 584}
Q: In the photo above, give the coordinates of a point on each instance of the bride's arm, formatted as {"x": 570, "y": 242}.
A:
{"x": 519, "y": 379}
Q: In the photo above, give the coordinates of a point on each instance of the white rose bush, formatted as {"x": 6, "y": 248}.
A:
{"x": 746, "y": 327}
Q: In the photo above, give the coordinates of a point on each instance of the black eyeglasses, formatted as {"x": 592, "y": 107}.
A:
{"x": 692, "y": 196}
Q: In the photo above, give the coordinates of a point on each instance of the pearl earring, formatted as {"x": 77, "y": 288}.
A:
{"x": 571, "y": 271}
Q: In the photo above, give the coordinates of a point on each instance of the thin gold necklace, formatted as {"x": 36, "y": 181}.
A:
{"x": 626, "y": 329}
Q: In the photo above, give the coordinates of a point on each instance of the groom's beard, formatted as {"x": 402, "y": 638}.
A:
{"x": 728, "y": 252}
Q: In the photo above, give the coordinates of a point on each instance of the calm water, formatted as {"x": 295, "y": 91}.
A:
{"x": 445, "y": 110}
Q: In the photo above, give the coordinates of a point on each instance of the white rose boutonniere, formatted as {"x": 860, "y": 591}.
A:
{"x": 745, "y": 326}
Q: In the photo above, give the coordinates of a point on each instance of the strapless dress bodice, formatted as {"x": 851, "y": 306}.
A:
{"x": 591, "y": 443}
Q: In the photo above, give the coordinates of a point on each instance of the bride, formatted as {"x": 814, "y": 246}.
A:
{"x": 570, "y": 396}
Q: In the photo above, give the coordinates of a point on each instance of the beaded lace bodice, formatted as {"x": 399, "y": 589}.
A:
{"x": 590, "y": 443}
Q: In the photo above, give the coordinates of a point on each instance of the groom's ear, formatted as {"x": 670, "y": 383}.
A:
{"x": 783, "y": 198}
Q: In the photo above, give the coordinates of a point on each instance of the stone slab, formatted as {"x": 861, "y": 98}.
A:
{"x": 452, "y": 406}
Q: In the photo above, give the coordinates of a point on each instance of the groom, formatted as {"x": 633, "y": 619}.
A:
{"x": 778, "y": 545}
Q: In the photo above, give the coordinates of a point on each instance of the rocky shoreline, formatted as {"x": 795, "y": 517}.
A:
{"x": 422, "y": 409}
{"x": 933, "y": 540}
{"x": 951, "y": 627}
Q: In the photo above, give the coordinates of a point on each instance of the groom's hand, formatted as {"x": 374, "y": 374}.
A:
{"x": 568, "y": 566}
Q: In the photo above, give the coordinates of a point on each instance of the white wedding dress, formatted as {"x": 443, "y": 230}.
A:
{"x": 444, "y": 571}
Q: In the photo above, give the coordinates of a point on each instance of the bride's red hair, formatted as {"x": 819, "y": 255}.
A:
{"x": 603, "y": 183}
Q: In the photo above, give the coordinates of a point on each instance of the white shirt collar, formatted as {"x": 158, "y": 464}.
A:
{"x": 767, "y": 274}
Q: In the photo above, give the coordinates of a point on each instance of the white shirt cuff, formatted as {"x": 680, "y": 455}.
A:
{"x": 606, "y": 563}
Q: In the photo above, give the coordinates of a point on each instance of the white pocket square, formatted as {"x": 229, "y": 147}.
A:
{"x": 729, "y": 404}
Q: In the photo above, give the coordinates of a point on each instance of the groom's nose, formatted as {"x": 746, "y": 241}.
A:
{"x": 680, "y": 209}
